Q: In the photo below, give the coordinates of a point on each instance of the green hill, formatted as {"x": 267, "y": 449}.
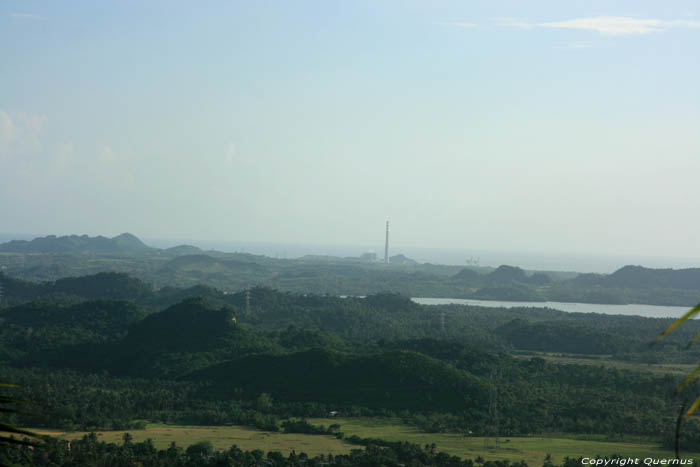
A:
{"x": 109, "y": 285}
{"x": 394, "y": 379}
{"x": 182, "y": 250}
{"x": 46, "y": 326}
{"x": 107, "y": 318}
{"x": 190, "y": 335}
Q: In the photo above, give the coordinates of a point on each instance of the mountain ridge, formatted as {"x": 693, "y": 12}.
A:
{"x": 122, "y": 244}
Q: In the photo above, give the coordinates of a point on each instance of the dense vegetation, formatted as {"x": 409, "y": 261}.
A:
{"x": 260, "y": 357}
{"x": 111, "y": 351}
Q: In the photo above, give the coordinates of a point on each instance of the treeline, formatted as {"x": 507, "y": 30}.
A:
{"x": 72, "y": 401}
{"x": 262, "y": 357}
{"x": 379, "y": 316}
{"x": 191, "y": 363}
{"x": 89, "y": 451}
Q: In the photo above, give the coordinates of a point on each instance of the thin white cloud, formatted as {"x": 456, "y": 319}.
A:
{"x": 26, "y": 16}
{"x": 611, "y": 25}
{"x": 20, "y": 134}
{"x": 458, "y": 24}
{"x": 607, "y": 25}
{"x": 618, "y": 25}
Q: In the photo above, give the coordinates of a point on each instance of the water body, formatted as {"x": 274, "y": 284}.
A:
{"x": 647, "y": 311}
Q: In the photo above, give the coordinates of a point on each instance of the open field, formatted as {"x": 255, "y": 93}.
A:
{"x": 530, "y": 449}
{"x": 607, "y": 362}
{"x": 222, "y": 437}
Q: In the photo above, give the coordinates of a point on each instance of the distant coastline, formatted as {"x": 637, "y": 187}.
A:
{"x": 533, "y": 261}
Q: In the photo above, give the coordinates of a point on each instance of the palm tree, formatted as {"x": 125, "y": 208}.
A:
{"x": 692, "y": 375}
{"x": 6, "y": 430}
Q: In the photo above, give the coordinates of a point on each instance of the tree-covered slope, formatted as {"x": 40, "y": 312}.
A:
{"x": 187, "y": 336}
{"x": 112, "y": 285}
{"x": 395, "y": 380}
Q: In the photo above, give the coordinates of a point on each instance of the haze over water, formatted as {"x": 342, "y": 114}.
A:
{"x": 603, "y": 264}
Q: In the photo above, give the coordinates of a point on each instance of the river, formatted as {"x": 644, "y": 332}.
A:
{"x": 648, "y": 311}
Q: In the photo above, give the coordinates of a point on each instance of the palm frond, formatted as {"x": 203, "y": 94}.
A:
{"x": 693, "y": 374}
{"x": 8, "y": 431}
{"x": 693, "y": 311}
{"x": 693, "y": 340}
{"x": 692, "y": 408}
{"x": 696, "y": 372}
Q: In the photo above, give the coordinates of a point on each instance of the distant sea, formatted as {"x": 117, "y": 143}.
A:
{"x": 459, "y": 257}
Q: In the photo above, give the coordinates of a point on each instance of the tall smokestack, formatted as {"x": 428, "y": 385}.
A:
{"x": 386, "y": 244}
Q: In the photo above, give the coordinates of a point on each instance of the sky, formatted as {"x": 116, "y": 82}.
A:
{"x": 541, "y": 126}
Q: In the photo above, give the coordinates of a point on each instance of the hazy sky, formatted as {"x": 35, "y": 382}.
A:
{"x": 562, "y": 126}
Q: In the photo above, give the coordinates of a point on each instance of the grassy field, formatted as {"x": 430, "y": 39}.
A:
{"x": 606, "y": 362}
{"x": 530, "y": 449}
{"x": 222, "y": 437}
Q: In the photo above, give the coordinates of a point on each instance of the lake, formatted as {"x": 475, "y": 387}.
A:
{"x": 648, "y": 311}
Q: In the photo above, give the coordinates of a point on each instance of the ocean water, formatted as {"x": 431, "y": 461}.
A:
{"x": 538, "y": 261}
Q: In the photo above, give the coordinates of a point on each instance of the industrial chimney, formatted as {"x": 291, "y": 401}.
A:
{"x": 386, "y": 245}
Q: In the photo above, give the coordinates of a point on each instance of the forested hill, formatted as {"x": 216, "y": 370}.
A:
{"x": 638, "y": 277}
{"x": 286, "y": 354}
{"x": 394, "y": 380}
{"x": 79, "y": 244}
{"x": 101, "y": 285}
{"x": 377, "y": 316}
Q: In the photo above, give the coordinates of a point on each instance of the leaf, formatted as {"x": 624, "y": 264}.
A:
{"x": 12, "y": 440}
{"x": 693, "y": 340}
{"x": 693, "y": 374}
{"x": 12, "y": 400}
{"x": 679, "y": 321}
{"x": 692, "y": 408}
{"x": 21, "y": 412}
{"x": 7, "y": 428}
